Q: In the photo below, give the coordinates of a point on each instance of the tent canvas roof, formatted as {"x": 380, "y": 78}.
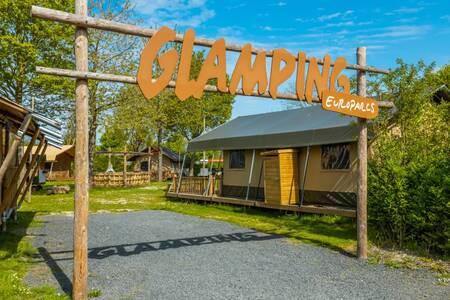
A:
{"x": 52, "y": 152}
{"x": 290, "y": 128}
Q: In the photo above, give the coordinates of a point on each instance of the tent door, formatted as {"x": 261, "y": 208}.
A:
{"x": 272, "y": 180}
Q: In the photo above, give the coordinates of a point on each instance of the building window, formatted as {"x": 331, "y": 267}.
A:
{"x": 237, "y": 159}
{"x": 335, "y": 157}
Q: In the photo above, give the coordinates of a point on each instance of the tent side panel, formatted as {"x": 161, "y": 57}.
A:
{"x": 235, "y": 180}
{"x": 328, "y": 187}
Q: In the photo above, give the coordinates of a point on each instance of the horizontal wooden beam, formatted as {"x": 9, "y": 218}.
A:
{"x": 102, "y": 24}
{"x": 132, "y": 80}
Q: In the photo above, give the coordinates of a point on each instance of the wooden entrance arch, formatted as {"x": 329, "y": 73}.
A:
{"x": 82, "y": 22}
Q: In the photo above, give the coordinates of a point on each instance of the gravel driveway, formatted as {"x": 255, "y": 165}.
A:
{"x": 163, "y": 255}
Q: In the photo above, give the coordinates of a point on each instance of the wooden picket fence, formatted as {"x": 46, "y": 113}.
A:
{"x": 117, "y": 179}
{"x": 208, "y": 186}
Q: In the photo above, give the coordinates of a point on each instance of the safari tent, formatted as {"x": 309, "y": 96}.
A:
{"x": 58, "y": 164}
{"x": 290, "y": 159}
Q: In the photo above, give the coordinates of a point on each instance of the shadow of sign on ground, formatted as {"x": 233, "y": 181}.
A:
{"x": 51, "y": 258}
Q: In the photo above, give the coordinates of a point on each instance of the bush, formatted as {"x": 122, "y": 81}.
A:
{"x": 409, "y": 204}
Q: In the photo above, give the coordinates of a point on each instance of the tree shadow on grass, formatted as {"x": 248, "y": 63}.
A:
{"x": 15, "y": 232}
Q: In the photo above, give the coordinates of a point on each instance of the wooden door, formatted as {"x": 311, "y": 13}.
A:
{"x": 272, "y": 179}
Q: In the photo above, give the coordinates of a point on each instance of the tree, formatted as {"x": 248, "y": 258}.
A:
{"x": 196, "y": 115}
{"x": 108, "y": 53}
{"x": 26, "y": 43}
{"x": 131, "y": 123}
{"x": 409, "y": 168}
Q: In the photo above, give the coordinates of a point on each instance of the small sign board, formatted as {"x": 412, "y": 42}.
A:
{"x": 351, "y": 105}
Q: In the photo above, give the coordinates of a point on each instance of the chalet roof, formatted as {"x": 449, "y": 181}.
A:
{"x": 166, "y": 152}
{"x": 290, "y": 128}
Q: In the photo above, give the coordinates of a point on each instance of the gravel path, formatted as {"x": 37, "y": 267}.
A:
{"x": 163, "y": 255}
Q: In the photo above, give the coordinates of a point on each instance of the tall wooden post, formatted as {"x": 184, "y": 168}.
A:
{"x": 125, "y": 167}
{"x": 80, "y": 225}
{"x": 362, "y": 163}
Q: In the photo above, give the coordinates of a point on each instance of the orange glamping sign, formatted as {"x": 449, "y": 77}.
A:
{"x": 325, "y": 80}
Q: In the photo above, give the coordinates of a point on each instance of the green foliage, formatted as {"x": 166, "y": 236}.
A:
{"x": 164, "y": 120}
{"x": 409, "y": 171}
{"x": 94, "y": 293}
{"x": 26, "y": 43}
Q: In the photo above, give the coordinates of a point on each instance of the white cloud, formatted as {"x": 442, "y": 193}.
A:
{"x": 445, "y": 18}
{"x": 279, "y": 3}
{"x": 407, "y": 20}
{"x": 236, "y": 6}
{"x": 404, "y": 10}
{"x": 399, "y": 31}
{"x": 230, "y": 31}
{"x": 189, "y": 13}
{"x": 335, "y": 15}
{"x": 270, "y": 28}
{"x": 340, "y": 24}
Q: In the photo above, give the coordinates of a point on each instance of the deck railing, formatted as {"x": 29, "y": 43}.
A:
{"x": 208, "y": 185}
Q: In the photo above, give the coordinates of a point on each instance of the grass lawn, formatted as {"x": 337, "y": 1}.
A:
{"x": 337, "y": 233}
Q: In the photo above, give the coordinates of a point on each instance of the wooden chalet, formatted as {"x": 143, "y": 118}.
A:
{"x": 171, "y": 162}
{"x": 20, "y": 130}
{"x": 299, "y": 160}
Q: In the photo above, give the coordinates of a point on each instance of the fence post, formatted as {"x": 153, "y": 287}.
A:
{"x": 362, "y": 162}
{"x": 125, "y": 167}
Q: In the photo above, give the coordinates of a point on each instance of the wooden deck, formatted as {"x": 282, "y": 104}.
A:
{"x": 326, "y": 210}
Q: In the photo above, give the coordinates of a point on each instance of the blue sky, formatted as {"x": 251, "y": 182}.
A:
{"x": 411, "y": 30}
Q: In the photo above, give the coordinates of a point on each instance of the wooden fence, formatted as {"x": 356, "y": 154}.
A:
{"x": 117, "y": 179}
{"x": 208, "y": 186}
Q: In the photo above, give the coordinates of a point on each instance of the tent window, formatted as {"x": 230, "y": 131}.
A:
{"x": 335, "y": 157}
{"x": 237, "y": 159}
